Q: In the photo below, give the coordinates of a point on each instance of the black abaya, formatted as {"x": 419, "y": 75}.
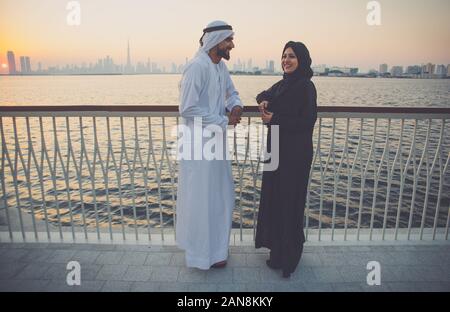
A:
{"x": 283, "y": 192}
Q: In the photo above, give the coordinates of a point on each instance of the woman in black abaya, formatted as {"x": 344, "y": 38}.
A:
{"x": 290, "y": 104}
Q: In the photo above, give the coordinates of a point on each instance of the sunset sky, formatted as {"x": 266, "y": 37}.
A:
{"x": 335, "y": 31}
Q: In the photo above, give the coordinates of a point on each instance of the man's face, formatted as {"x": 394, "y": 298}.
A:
{"x": 224, "y": 48}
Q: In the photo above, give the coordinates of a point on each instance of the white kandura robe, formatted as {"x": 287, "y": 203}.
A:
{"x": 205, "y": 195}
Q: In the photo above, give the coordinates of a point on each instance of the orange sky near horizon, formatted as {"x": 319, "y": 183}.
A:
{"x": 336, "y": 32}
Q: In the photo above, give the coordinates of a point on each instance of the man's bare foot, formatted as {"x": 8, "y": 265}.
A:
{"x": 219, "y": 265}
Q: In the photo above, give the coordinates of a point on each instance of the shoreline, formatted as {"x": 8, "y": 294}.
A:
{"x": 231, "y": 73}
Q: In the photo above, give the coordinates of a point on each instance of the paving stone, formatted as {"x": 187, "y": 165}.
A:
{"x": 23, "y": 285}
{"x": 333, "y": 259}
{"x": 246, "y": 275}
{"x": 89, "y": 272}
{"x": 384, "y": 287}
{"x": 318, "y": 287}
{"x": 134, "y": 248}
{"x": 303, "y": 274}
{"x": 140, "y": 273}
{"x": 357, "y": 259}
{"x": 159, "y": 259}
{"x": 145, "y": 286}
{"x": 57, "y": 271}
{"x": 356, "y": 274}
{"x": 405, "y": 287}
{"x": 86, "y": 256}
{"x": 33, "y": 271}
{"x": 311, "y": 259}
{"x": 116, "y": 286}
{"x": 109, "y": 257}
{"x": 37, "y": 255}
{"x": 256, "y": 260}
{"x": 223, "y": 275}
{"x": 13, "y": 255}
{"x": 260, "y": 287}
{"x": 112, "y": 272}
{"x": 328, "y": 274}
{"x": 108, "y": 267}
{"x": 202, "y": 287}
{"x": 436, "y": 287}
{"x": 134, "y": 258}
{"x": 61, "y": 256}
{"x": 237, "y": 260}
{"x": 191, "y": 275}
{"x": 174, "y": 287}
{"x": 231, "y": 287}
{"x": 165, "y": 274}
{"x": 178, "y": 259}
{"x": 9, "y": 270}
{"x": 86, "y": 286}
{"x": 347, "y": 287}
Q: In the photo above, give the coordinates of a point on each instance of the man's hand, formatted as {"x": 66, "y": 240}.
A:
{"x": 235, "y": 116}
{"x": 236, "y": 111}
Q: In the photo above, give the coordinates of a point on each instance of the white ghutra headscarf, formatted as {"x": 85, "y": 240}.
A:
{"x": 214, "y": 33}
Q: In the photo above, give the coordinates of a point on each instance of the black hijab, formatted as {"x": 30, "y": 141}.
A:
{"x": 304, "y": 62}
{"x": 302, "y": 72}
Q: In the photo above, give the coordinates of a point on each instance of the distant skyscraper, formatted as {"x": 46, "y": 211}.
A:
{"x": 383, "y": 69}
{"x": 413, "y": 70}
{"x": 448, "y": 70}
{"x": 129, "y": 67}
{"x": 173, "y": 69}
{"x": 23, "y": 67}
{"x": 428, "y": 69}
{"x": 11, "y": 63}
{"x": 128, "y": 54}
{"x": 237, "y": 66}
{"x": 319, "y": 69}
{"x": 397, "y": 71}
{"x": 155, "y": 68}
{"x": 27, "y": 64}
{"x": 271, "y": 67}
{"x": 441, "y": 71}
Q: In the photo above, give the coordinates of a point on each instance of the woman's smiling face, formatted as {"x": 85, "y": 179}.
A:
{"x": 289, "y": 61}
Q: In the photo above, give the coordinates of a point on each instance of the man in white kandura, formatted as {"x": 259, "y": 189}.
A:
{"x": 205, "y": 196}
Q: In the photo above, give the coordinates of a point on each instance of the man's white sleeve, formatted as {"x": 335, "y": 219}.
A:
{"x": 190, "y": 106}
{"x": 232, "y": 96}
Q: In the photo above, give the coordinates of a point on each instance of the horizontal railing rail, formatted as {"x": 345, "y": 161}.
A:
{"x": 50, "y": 110}
{"x": 105, "y": 172}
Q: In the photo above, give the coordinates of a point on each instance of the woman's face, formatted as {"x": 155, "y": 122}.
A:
{"x": 289, "y": 61}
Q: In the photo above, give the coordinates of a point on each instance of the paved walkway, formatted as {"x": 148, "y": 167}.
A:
{"x": 42, "y": 267}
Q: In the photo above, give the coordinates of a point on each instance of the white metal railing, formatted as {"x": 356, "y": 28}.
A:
{"x": 104, "y": 173}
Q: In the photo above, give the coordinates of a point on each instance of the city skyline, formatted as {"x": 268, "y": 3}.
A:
{"x": 234, "y": 64}
{"x": 107, "y": 65}
{"x": 39, "y": 29}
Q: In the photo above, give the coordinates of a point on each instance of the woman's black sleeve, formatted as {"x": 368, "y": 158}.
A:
{"x": 305, "y": 113}
{"x": 266, "y": 95}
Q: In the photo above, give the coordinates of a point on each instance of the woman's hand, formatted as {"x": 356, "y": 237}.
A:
{"x": 263, "y": 106}
{"x": 266, "y": 117}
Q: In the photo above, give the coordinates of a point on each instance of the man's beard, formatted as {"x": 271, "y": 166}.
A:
{"x": 225, "y": 53}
